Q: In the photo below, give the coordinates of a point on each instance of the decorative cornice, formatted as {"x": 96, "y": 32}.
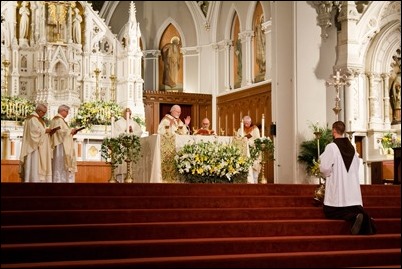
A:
{"x": 324, "y": 14}
{"x": 190, "y": 50}
{"x": 246, "y": 34}
{"x": 152, "y": 53}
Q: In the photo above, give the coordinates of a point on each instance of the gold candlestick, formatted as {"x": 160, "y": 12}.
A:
{"x": 97, "y": 71}
{"x": 318, "y": 136}
{"x": 6, "y": 64}
{"x": 113, "y": 78}
{"x": 262, "y": 178}
{"x": 129, "y": 176}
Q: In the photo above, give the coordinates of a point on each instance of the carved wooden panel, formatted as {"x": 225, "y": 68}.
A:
{"x": 87, "y": 172}
{"x": 232, "y": 107}
{"x": 156, "y": 102}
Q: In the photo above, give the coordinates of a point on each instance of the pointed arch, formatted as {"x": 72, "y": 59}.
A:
{"x": 229, "y": 23}
{"x": 162, "y": 29}
{"x": 237, "y": 52}
{"x": 171, "y": 60}
{"x": 250, "y": 15}
{"x": 259, "y": 44}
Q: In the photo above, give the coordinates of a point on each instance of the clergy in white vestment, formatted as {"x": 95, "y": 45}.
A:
{"x": 36, "y": 153}
{"x": 172, "y": 124}
{"x": 252, "y": 132}
{"x": 62, "y": 142}
{"x": 125, "y": 125}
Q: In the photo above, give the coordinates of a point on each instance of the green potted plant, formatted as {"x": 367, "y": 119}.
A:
{"x": 310, "y": 149}
{"x": 112, "y": 153}
{"x": 131, "y": 150}
{"x": 263, "y": 145}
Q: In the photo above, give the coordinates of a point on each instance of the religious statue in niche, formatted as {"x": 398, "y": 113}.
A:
{"x": 395, "y": 89}
{"x": 77, "y": 26}
{"x": 24, "y": 21}
{"x": 260, "y": 49}
{"x": 171, "y": 62}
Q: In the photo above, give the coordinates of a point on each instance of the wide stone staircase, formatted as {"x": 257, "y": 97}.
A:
{"x": 102, "y": 225}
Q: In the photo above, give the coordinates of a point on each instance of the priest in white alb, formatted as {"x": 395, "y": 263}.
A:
{"x": 64, "y": 157}
{"x": 36, "y": 154}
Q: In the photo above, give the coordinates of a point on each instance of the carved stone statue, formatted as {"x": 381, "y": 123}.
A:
{"x": 395, "y": 98}
{"x": 77, "y": 26}
{"x": 24, "y": 21}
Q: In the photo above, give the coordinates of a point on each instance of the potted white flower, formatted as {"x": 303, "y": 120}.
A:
{"x": 212, "y": 162}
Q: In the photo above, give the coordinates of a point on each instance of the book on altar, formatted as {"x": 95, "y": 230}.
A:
{"x": 204, "y": 132}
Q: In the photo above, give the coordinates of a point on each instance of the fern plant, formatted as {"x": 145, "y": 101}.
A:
{"x": 309, "y": 150}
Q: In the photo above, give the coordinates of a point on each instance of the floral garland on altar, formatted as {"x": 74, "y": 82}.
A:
{"x": 212, "y": 162}
{"x": 96, "y": 113}
{"x": 16, "y": 108}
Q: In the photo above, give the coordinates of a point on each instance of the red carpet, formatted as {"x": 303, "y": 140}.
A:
{"x": 190, "y": 225}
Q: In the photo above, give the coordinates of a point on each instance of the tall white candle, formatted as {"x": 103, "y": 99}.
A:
{"x": 112, "y": 126}
{"x": 241, "y": 128}
{"x": 263, "y": 126}
{"x": 127, "y": 120}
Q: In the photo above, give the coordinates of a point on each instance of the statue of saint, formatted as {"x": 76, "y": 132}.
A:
{"x": 77, "y": 26}
{"x": 395, "y": 89}
{"x": 24, "y": 21}
{"x": 395, "y": 98}
{"x": 171, "y": 62}
{"x": 260, "y": 47}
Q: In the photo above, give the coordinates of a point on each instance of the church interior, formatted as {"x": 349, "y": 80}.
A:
{"x": 289, "y": 66}
{"x": 287, "y": 69}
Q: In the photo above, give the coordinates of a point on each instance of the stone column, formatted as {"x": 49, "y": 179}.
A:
{"x": 13, "y": 155}
{"x": 267, "y": 28}
{"x": 5, "y": 138}
{"x": 78, "y": 142}
{"x": 247, "y": 59}
{"x": 385, "y": 79}
{"x": 228, "y": 65}
{"x": 374, "y": 109}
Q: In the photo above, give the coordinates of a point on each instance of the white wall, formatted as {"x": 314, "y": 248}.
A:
{"x": 298, "y": 52}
